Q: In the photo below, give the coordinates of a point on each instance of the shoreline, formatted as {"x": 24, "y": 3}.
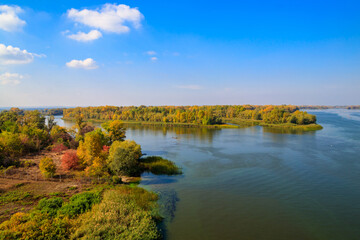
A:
{"x": 250, "y": 122}
{"x": 228, "y": 123}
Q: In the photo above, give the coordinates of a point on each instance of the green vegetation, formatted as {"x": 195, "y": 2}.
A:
{"x": 124, "y": 213}
{"x": 124, "y": 158}
{"x": 80, "y": 203}
{"x": 159, "y": 166}
{"x": 214, "y": 116}
{"x": 16, "y": 196}
{"x": 21, "y": 134}
{"x": 114, "y": 213}
{"x": 194, "y": 115}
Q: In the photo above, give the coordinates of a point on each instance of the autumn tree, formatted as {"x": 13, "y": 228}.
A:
{"x": 47, "y": 167}
{"x": 91, "y": 152}
{"x": 115, "y": 129}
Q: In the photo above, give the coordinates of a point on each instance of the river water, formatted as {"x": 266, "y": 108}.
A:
{"x": 258, "y": 184}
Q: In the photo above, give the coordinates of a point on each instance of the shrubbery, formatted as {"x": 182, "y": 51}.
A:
{"x": 47, "y": 167}
{"x": 70, "y": 160}
{"x": 51, "y": 219}
{"x": 59, "y": 147}
{"x": 124, "y": 213}
{"x": 80, "y": 203}
{"x": 50, "y": 206}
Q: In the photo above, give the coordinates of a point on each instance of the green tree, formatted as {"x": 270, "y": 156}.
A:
{"x": 91, "y": 147}
{"x": 123, "y": 158}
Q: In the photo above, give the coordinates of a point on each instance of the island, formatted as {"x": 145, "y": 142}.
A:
{"x": 216, "y": 116}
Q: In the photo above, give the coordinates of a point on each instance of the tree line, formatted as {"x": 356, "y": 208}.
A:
{"x": 199, "y": 115}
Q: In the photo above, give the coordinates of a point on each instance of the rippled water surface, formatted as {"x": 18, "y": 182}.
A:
{"x": 255, "y": 183}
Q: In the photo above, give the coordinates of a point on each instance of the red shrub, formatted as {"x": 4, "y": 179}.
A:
{"x": 59, "y": 147}
{"x": 69, "y": 160}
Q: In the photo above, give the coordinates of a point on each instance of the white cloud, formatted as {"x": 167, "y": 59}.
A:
{"x": 154, "y": 59}
{"x": 86, "y": 37}
{"x": 191, "y": 87}
{"x": 109, "y": 18}
{"x": 10, "y": 78}
{"x": 9, "y": 20}
{"x": 14, "y": 55}
{"x": 88, "y": 64}
{"x": 151, "y": 53}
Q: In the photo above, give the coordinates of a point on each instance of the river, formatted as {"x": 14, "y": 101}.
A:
{"x": 257, "y": 184}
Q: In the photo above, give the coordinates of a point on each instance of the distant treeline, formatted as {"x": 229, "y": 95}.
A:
{"x": 43, "y": 111}
{"x": 199, "y": 115}
{"x": 52, "y": 111}
{"x": 329, "y": 107}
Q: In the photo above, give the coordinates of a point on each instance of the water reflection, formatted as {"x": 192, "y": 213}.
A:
{"x": 205, "y": 135}
{"x": 286, "y": 131}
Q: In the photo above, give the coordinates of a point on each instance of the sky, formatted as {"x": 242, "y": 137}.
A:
{"x": 94, "y": 53}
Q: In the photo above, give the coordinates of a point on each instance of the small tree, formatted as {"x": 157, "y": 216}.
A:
{"x": 47, "y": 167}
{"x": 70, "y": 160}
{"x": 123, "y": 158}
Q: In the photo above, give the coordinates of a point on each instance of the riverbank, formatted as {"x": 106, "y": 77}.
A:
{"x": 289, "y": 126}
{"x": 32, "y": 207}
{"x": 166, "y": 124}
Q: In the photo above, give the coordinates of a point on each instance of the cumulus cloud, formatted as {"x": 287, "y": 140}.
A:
{"x": 14, "y": 55}
{"x": 153, "y": 59}
{"x": 9, "y": 20}
{"x": 109, "y": 18}
{"x": 86, "y": 37}
{"x": 88, "y": 64}
{"x": 191, "y": 87}
{"x": 10, "y": 78}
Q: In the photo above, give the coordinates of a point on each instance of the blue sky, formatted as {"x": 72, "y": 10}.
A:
{"x": 87, "y": 53}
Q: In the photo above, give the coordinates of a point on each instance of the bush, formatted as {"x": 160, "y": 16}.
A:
{"x": 70, "y": 160}
{"x": 80, "y": 203}
{"x": 50, "y": 206}
{"x": 35, "y": 225}
{"x": 47, "y": 167}
{"x": 59, "y": 147}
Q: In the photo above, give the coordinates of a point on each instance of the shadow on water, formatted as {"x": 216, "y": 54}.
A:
{"x": 168, "y": 200}
{"x": 151, "y": 179}
{"x": 168, "y": 197}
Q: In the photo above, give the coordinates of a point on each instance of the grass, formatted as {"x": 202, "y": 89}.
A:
{"x": 159, "y": 166}
{"x": 19, "y": 197}
{"x": 289, "y": 126}
{"x": 305, "y": 128}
